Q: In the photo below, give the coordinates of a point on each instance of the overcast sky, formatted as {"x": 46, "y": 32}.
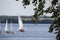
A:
{"x": 14, "y": 8}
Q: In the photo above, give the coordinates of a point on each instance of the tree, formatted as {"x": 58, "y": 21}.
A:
{"x": 56, "y": 24}
{"x": 51, "y": 9}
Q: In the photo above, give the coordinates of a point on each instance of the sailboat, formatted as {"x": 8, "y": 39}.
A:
{"x": 6, "y": 27}
{"x": 11, "y": 25}
{"x": 0, "y": 27}
{"x": 11, "y": 28}
{"x": 20, "y": 24}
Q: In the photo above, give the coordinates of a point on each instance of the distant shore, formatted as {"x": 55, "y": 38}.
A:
{"x": 27, "y": 19}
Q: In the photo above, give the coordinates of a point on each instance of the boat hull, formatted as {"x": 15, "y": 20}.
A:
{"x": 9, "y": 32}
{"x": 22, "y": 30}
{"x": 0, "y": 32}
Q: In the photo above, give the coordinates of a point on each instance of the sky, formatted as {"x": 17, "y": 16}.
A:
{"x": 15, "y": 8}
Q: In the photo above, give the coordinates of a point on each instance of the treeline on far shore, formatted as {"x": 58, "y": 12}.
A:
{"x": 26, "y": 19}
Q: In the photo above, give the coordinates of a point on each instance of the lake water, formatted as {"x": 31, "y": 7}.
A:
{"x": 32, "y": 32}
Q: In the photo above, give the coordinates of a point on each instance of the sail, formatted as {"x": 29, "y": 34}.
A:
{"x": 11, "y": 25}
{"x": 6, "y": 27}
{"x": 20, "y": 23}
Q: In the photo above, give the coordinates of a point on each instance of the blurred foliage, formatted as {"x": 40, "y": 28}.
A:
{"x": 54, "y": 2}
{"x": 38, "y": 10}
{"x": 17, "y": 0}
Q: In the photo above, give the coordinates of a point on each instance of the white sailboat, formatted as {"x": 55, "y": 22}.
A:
{"x": 11, "y": 25}
{"x": 20, "y": 24}
{"x": 11, "y": 28}
{"x": 6, "y": 27}
{"x": 0, "y": 27}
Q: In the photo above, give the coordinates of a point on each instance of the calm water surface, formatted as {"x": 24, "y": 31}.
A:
{"x": 32, "y": 32}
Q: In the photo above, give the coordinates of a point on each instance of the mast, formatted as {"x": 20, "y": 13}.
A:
{"x": 6, "y": 27}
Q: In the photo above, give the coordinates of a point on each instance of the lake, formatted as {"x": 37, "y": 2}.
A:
{"x": 32, "y": 32}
